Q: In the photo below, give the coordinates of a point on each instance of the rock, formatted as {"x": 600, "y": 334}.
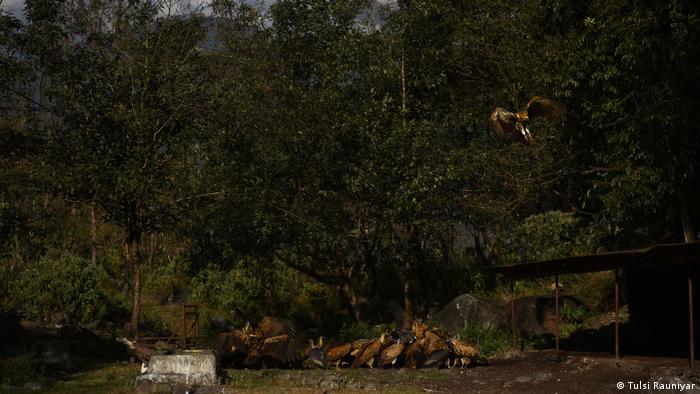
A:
{"x": 33, "y": 386}
{"x": 466, "y": 310}
{"x": 540, "y": 376}
{"x": 186, "y": 368}
{"x": 513, "y": 355}
{"x": 57, "y": 357}
{"x": 523, "y": 379}
{"x": 150, "y": 387}
{"x": 537, "y": 314}
{"x": 329, "y": 383}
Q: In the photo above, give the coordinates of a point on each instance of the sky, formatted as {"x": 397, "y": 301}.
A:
{"x": 15, "y": 6}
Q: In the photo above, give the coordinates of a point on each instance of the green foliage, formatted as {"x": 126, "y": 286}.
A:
{"x": 168, "y": 282}
{"x": 572, "y": 318}
{"x": 315, "y": 160}
{"x": 253, "y": 288}
{"x": 355, "y": 331}
{"x": 490, "y": 341}
{"x": 318, "y": 310}
{"x": 69, "y": 284}
{"x": 548, "y": 236}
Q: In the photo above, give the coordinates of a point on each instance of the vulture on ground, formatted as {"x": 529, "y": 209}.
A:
{"x": 338, "y": 353}
{"x": 463, "y": 352}
{"x": 370, "y": 351}
{"x": 390, "y": 354}
{"x": 317, "y": 357}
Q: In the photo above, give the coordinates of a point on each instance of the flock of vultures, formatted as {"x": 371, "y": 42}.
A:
{"x": 273, "y": 343}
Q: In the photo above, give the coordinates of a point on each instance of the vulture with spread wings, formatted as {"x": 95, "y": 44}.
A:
{"x": 516, "y": 125}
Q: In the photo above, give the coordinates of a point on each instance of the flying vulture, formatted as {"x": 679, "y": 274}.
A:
{"x": 516, "y": 125}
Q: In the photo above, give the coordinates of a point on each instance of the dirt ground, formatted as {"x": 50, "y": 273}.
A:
{"x": 533, "y": 372}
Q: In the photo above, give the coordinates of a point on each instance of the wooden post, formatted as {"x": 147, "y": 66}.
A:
{"x": 617, "y": 314}
{"x": 184, "y": 327}
{"x": 556, "y": 306}
{"x": 512, "y": 312}
{"x": 196, "y": 317}
{"x": 691, "y": 320}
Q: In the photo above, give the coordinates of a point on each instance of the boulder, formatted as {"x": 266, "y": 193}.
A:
{"x": 537, "y": 314}
{"x": 466, "y": 310}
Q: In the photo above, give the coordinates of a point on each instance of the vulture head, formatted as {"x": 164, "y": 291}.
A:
{"x": 516, "y": 125}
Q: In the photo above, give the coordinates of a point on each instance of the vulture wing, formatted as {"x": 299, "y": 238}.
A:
{"x": 338, "y": 351}
{"x": 272, "y": 326}
{"x": 415, "y": 354}
{"x": 434, "y": 342}
{"x": 436, "y": 358}
{"x": 540, "y": 106}
{"x": 503, "y": 121}
{"x": 358, "y": 346}
{"x": 230, "y": 342}
{"x": 390, "y": 354}
{"x": 368, "y": 353}
{"x": 419, "y": 328}
{"x": 281, "y": 348}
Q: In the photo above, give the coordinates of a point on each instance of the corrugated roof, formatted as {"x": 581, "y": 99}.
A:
{"x": 654, "y": 256}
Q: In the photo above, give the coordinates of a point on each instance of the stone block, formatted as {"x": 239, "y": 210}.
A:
{"x": 191, "y": 368}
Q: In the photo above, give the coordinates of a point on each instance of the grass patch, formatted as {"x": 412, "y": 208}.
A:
{"x": 105, "y": 378}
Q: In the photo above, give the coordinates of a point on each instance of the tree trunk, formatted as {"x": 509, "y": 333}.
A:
{"x": 126, "y": 280}
{"x": 688, "y": 228}
{"x": 151, "y": 249}
{"x": 135, "y": 265}
{"x": 93, "y": 234}
{"x": 352, "y": 300}
{"x": 408, "y": 286}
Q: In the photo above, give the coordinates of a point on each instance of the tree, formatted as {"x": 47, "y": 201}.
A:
{"x": 630, "y": 72}
{"x": 126, "y": 84}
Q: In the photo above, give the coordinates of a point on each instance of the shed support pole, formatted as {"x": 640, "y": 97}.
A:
{"x": 691, "y": 320}
{"x": 617, "y": 314}
{"x": 556, "y": 308}
{"x": 184, "y": 327}
{"x": 512, "y": 313}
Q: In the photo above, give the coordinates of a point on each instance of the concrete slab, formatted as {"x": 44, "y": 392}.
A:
{"x": 186, "y": 368}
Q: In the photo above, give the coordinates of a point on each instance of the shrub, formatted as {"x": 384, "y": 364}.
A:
{"x": 252, "y": 287}
{"x": 572, "y": 318}
{"x": 67, "y": 284}
{"x": 351, "y": 332}
{"x": 490, "y": 341}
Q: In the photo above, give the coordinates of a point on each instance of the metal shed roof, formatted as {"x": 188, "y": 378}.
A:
{"x": 654, "y": 256}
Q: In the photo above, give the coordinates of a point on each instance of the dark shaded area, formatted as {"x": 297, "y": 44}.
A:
{"x": 658, "y": 306}
{"x": 45, "y": 353}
